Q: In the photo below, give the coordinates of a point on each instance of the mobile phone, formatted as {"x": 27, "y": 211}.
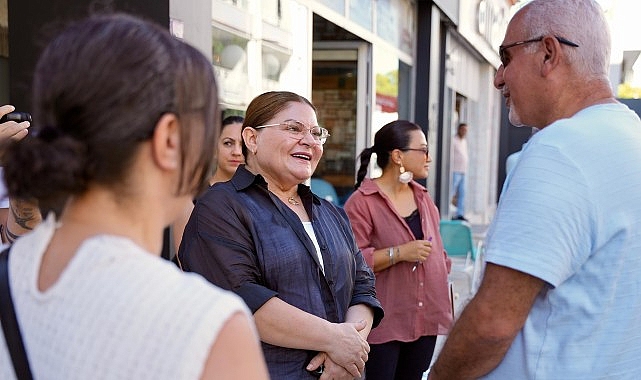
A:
{"x": 16, "y": 116}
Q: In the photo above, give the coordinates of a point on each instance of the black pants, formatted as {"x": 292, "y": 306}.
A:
{"x": 400, "y": 360}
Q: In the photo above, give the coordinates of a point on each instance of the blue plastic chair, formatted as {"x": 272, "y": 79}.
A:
{"x": 457, "y": 239}
{"x": 324, "y": 190}
{"x": 459, "y": 245}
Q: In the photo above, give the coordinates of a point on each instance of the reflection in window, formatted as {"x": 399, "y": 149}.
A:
{"x": 229, "y": 55}
{"x": 334, "y": 95}
{"x": 360, "y": 11}
{"x": 395, "y": 23}
{"x": 335, "y": 5}
{"x": 387, "y": 23}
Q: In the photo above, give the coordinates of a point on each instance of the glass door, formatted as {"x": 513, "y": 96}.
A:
{"x": 340, "y": 92}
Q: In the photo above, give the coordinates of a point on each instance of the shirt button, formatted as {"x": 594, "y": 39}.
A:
{"x": 421, "y": 284}
{"x": 420, "y": 304}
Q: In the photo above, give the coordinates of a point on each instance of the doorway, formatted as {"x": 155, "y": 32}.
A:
{"x": 340, "y": 91}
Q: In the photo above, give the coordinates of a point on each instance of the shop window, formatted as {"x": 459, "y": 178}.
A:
{"x": 337, "y": 6}
{"x": 229, "y": 56}
{"x": 360, "y": 11}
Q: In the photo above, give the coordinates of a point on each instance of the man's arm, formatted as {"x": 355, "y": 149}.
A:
{"x": 488, "y": 325}
{"x": 23, "y": 216}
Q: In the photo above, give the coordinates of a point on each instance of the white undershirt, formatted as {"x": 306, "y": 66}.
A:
{"x": 310, "y": 231}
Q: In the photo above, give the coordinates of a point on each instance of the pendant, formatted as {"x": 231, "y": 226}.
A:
{"x": 292, "y": 201}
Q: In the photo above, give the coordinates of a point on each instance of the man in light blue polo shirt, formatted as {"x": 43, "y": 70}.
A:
{"x": 560, "y": 296}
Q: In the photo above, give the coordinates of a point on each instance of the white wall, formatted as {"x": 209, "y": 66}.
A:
{"x": 195, "y": 17}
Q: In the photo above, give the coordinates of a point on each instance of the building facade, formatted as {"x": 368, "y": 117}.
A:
{"x": 466, "y": 34}
{"x": 363, "y": 63}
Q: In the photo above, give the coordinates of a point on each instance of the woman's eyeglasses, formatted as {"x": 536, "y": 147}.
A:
{"x": 425, "y": 151}
{"x": 298, "y": 130}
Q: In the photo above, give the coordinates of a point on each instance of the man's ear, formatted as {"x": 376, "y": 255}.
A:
{"x": 166, "y": 142}
{"x": 553, "y": 54}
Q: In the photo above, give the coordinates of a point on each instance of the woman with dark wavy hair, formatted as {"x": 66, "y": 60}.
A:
{"x": 396, "y": 225}
{"x": 125, "y": 121}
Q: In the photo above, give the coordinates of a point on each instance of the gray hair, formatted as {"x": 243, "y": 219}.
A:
{"x": 580, "y": 21}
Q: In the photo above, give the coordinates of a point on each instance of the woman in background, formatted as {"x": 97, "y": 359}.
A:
{"x": 124, "y": 129}
{"x": 396, "y": 225}
{"x": 229, "y": 155}
{"x": 230, "y": 149}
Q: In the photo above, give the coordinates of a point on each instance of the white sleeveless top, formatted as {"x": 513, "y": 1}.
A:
{"x": 116, "y": 312}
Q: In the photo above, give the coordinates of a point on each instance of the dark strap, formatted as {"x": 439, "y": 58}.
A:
{"x": 10, "y": 326}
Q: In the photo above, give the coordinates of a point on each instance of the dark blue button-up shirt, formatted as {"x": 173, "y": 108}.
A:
{"x": 242, "y": 237}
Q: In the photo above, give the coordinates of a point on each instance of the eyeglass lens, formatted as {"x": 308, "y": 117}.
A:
{"x": 299, "y": 129}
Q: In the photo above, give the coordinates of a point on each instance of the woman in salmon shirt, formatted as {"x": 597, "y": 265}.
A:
{"x": 396, "y": 225}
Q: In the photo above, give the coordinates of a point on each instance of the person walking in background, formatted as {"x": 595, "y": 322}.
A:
{"x": 459, "y": 159}
{"x": 124, "y": 129}
{"x": 229, "y": 155}
{"x": 396, "y": 225}
{"x": 560, "y": 295}
{"x": 288, "y": 253}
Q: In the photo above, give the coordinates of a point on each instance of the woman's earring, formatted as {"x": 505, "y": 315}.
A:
{"x": 405, "y": 176}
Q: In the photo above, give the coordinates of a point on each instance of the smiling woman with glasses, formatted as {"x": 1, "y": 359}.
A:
{"x": 396, "y": 224}
{"x": 298, "y": 130}
{"x": 288, "y": 253}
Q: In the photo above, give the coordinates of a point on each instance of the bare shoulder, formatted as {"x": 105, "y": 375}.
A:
{"x": 236, "y": 354}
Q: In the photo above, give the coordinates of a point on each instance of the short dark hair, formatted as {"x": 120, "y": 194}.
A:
{"x": 99, "y": 89}
{"x": 231, "y": 120}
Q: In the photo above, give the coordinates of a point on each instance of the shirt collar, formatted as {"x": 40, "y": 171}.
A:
{"x": 369, "y": 187}
{"x": 243, "y": 179}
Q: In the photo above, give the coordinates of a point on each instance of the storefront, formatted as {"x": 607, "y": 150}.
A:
{"x": 353, "y": 58}
{"x": 465, "y": 38}
{"x": 363, "y": 63}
